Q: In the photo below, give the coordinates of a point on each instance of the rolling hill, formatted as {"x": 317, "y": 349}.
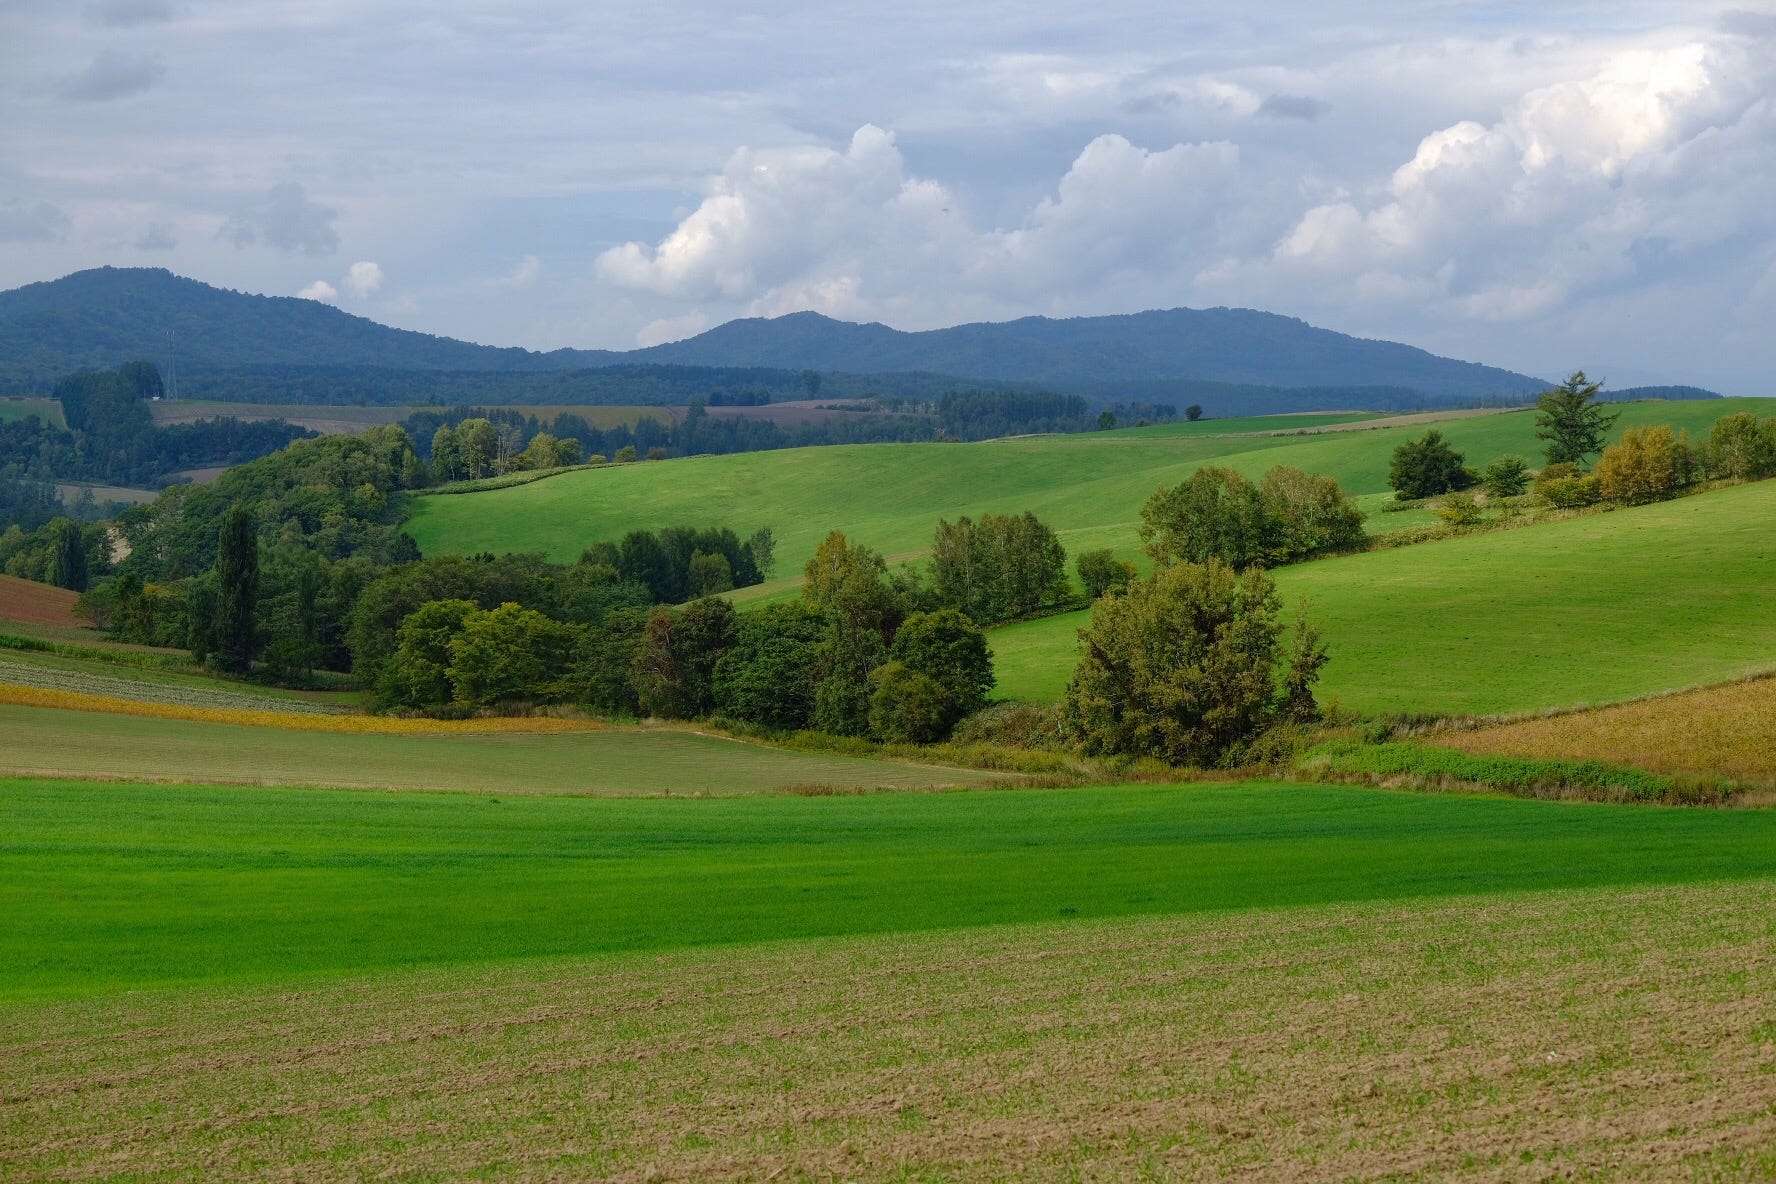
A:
{"x": 1224, "y": 358}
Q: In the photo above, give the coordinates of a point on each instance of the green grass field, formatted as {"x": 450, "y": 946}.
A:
{"x": 331, "y": 418}
{"x": 606, "y": 761}
{"x": 1089, "y": 487}
{"x": 1593, "y": 609}
{"x": 14, "y": 408}
{"x": 120, "y": 886}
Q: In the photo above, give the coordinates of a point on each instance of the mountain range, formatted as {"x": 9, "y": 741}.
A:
{"x": 109, "y": 315}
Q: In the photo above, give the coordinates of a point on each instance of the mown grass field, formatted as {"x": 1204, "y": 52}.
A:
{"x": 17, "y": 407}
{"x": 1592, "y": 609}
{"x": 1090, "y": 487}
{"x": 115, "y": 886}
{"x": 1727, "y": 731}
{"x": 490, "y": 758}
{"x": 1594, "y": 1034}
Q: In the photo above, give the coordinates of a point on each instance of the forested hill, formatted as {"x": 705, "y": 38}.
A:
{"x": 288, "y": 349}
{"x": 1087, "y": 354}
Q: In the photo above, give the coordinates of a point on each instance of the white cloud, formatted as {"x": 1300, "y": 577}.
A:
{"x": 362, "y": 279}
{"x": 319, "y": 290}
{"x": 659, "y": 332}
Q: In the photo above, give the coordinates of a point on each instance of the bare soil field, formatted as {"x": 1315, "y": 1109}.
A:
{"x": 1727, "y": 731}
{"x": 1603, "y": 1034}
{"x": 37, "y": 604}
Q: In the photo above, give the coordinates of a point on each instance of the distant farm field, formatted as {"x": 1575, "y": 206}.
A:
{"x": 37, "y": 604}
{"x": 114, "y": 886}
{"x": 15, "y": 408}
{"x": 1089, "y": 486}
{"x": 1592, "y": 1034}
{"x": 577, "y": 760}
{"x": 1593, "y": 609}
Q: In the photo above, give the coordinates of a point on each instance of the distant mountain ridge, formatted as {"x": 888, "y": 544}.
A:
{"x": 108, "y": 315}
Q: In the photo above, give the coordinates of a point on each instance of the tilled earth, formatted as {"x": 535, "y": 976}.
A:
{"x": 1605, "y": 1034}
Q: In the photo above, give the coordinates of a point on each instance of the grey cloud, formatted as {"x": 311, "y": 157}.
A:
{"x": 1153, "y": 103}
{"x": 114, "y": 75}
{"x": 1293, "y": 107}
{"x": 1747, "y": 23}
{"x": 123, "y": 13}
{"x": 40, "y": 222}
{"x": 157, "y": 237}
{"x": 286, "y": 219}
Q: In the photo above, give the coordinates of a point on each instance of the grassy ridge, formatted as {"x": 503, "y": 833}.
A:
{"x": 1592, "y": 609}
{"x": 115, "y": 886}
{"x": 1089, "y": 487}
{"x": 1601, "y": 1034}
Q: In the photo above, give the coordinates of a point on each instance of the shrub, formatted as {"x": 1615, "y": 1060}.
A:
{"x": 1646, "y": 464}
{"x": 626, "y": 454}
{"x": 675, "y": 659}
{"x": 1215, "y": 514}
{"x": 1458, "y": 509}
{"x": 511, "y": 653}
{"x": 1741, "y": 447}
{"x": 950, "y": 649}
{"x": 1100, "y": 572}
{"x": 1013, "y": 725}
{"x": 1184, "y": 668}
{"x": 909, "y": 707}
{"x": 1428, "y": 467}
{"x": 1564, "y": 487}
{"x": 1308, "y": 515}
{"x": 1508, "y": 476}
{"x": 766, "y": 677}
{"x": 1002, "y": 567}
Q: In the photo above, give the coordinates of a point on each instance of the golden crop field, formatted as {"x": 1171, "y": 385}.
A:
{"x": 1727, "y": 730}
{"x": 1602, "y": 1034}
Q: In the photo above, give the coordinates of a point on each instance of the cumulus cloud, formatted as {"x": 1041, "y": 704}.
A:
{"x": 363, "y": 279}
{"x": 319, "y": 290}
{"x": 32, "y": 222}
{"x": 1657, "y": 155}
{"x": 285, "y": 218}
{"x": 113, "y": 75}
{"x": 664, "y": 329}
{"x": 852, "y": 232}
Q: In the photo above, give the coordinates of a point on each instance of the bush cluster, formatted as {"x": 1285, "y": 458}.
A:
{"x": 1216, "y": 514}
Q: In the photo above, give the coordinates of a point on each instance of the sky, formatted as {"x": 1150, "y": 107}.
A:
{"x": 1543, "y": 186}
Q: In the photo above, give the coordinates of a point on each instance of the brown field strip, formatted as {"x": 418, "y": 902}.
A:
{"x": 1727, "y": 731}
{"x": 37, "y": 604}
{"x": 1604, "y": 1034}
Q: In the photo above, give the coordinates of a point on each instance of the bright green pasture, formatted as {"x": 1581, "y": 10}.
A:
{"x": 1255, "y": 423}
{"x": 15, "y": 408}
{"x": 47, "y": 740}
{"x": 109, "y": 886}
{"x": 1088, "y": 486}
{"x": 1587, "y": 610}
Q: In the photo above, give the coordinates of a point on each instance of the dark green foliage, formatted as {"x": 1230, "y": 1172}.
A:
{"x": 68, "y": 556}
{"x": 237, "y": 590}
{"x": 761, "y": 544}
{"x": 1106, "y": 420}
{"x": 510, "y": 654}
{"x": 1193, "y": 412}
{"x": 1428, "y": 467}
{"x": 847, "y": 655}
{"x": 909, "y": 707}
{"x": 1002, "y": 567}
{"x": 664, "y": 562}
{"x": 1508, "y": 476}
{"x": 674, "y": 666}
{"x": 767, "y": 676}
{"x": 949, "y": 648}
{"x": 417, "y": 674}
{"x": 1573, "y": 420}
{"x": 599, "y": 674}
{"x": 1101, "y": 572}
{"x": 1185, "y": 668}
